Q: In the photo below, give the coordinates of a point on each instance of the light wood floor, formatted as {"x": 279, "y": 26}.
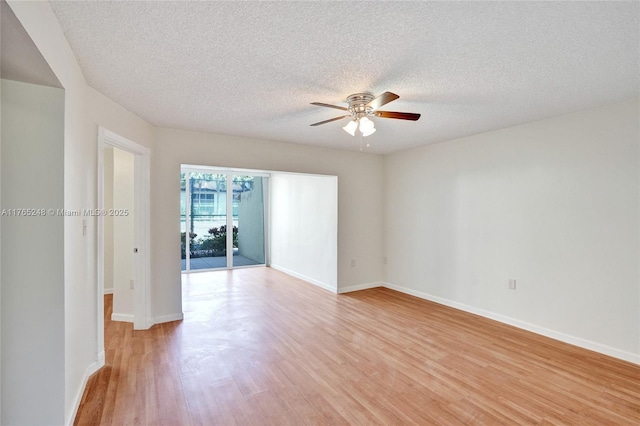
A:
{"x": 258, "y": 347}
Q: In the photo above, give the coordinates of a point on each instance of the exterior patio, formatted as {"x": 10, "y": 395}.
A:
{"x": 217, "y": 262}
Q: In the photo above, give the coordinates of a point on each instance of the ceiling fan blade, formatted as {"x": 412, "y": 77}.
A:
{"x": 383, "y": 99}
{"x": 329, "y": 106}
{"x": 330, "y": 120}
{"x": 398, "y": 115}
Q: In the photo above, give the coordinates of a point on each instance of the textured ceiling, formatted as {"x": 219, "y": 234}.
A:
{"x": 252, "y": 68}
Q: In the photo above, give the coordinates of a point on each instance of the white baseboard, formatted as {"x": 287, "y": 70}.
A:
{"x": 305, "y": 278}
{"x": 121, "y": 317}
{"x": 168, "y": 318}
{"x": 156, "y": 320}
{"x": 358, "y": 287}
{"x": 573, "y": 340}
{"x": 91, "y": 369}
{"x": 108, "y": 291}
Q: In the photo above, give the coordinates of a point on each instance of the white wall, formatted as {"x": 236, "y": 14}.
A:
{"x": 115, "y": 118}
{"x": 32, "y": 255}
{"x": 123, "y": 168}
{"x": 359, "y": 201}
{"x": 304, "y": 225}
{"x": 553, "y": 204}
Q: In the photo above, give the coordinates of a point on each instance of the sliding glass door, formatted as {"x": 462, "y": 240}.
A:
{"x": 204, "y": 214}
{"x": 222, "y": 219}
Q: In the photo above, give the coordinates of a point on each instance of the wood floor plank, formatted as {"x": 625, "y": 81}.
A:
{"x": 259, "y": 347}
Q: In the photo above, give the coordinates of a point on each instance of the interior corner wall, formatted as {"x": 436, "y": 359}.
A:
{"x": 304, "y": 224}
{"x": 359, "y": 200}
{"x": 32, "y": 294}
{"x": 552, "y": 204}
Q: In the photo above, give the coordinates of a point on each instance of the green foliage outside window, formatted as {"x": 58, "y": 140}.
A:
{"x": 212, "y": 245}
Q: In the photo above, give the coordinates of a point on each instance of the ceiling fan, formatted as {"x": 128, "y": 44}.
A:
{"x": 361, "y": 107}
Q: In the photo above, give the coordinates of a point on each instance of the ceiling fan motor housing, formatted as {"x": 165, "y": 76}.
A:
{"x": 358, "y": 104}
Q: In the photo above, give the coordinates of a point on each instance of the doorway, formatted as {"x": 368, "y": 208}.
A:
{"x": 138, "y": 307}
{"x": 118, "y": 231}
{"x": 222, "y": 218}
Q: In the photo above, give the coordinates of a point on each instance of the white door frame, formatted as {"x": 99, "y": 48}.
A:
{"x": 141, "y": 235}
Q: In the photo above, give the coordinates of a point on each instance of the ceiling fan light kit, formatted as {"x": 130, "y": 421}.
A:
{"x": 366, "y": 126}
{"x": 361, "y": 107}
{"x": 351, "y": 127}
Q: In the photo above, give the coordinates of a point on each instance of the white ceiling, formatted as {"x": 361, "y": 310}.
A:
{"x": 252, "y": 68}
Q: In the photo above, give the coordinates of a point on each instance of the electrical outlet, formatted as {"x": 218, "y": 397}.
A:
{"x": 131, "y": 284}
{"x": 512, "y": 284}
{"x": 353, "y": 263}
{"x": 384, "y": 260}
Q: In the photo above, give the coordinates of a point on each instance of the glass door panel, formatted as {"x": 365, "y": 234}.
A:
{"x": 248, "y": 221}
{"x": 207, "y": 220}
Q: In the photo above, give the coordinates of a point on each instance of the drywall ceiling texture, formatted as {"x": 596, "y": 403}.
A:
{"x": 251, "y": 69}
